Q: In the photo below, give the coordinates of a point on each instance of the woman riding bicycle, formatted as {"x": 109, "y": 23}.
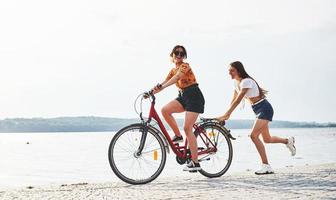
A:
{"x": 190, "y": 100}
{"x": 247, "y": 87}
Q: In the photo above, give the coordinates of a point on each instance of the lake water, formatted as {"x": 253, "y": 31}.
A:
{"x": 31, "y": 159}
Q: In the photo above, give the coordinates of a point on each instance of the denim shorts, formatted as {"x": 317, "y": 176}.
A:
{"x": 191, "y": 98}
{"x": 263, "y": 110}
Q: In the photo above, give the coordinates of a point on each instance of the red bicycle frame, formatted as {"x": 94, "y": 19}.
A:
{"x": 181, "y": 151}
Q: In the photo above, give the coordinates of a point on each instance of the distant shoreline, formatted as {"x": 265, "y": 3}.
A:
{"x": 169, "y": 129}
{"x": 105, "y": 124}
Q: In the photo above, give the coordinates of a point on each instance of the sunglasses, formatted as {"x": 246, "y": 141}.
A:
{"x": 179, "y": 53}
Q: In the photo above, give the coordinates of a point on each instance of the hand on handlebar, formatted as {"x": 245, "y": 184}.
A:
{"x": 146, "y": 95}
{"x": 158, "y": 87}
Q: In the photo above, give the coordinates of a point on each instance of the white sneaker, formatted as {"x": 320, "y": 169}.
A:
{"x": 192, "y": 167}
{"x": 290, "y": 145}
{"x": 265, "y": 169}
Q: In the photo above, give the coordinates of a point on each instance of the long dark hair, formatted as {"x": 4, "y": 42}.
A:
{"x": 243, "y": 74}
{"x": 176, "y": 47}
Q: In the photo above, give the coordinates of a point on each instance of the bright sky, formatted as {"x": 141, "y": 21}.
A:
{"x": 80, "y": 58}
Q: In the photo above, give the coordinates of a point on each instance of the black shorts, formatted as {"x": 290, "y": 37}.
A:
{"x": 191, "y": 98}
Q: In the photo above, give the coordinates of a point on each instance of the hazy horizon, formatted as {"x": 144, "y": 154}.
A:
{"x": 135, "y": 117}
{"x": 92, "y": 58}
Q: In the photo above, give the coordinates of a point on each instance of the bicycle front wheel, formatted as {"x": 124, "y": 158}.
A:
{"x": 133, "y": 168}
{"x": 215, "y": 163}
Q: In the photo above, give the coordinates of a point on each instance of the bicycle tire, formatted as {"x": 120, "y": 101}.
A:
{"x": 119, "y": 168}
{"x": 207, "y": 171}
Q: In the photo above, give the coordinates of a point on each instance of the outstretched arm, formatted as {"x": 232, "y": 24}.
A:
{"x": 235, "y": 94}
{"x": 234, "y": 103}
{"x": 173, "y": 80}
{"x": 167, "y": 83}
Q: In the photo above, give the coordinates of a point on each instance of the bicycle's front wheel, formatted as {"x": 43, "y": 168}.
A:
{"x": 133, "y": 168}
{"x": 215, "y": 163}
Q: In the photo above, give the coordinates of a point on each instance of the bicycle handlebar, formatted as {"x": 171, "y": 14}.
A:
{"x": 148, "y": 94}
{"x": 144, "y": 95}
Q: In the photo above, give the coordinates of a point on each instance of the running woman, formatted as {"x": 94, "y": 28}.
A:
{"x": 246, "y": 87}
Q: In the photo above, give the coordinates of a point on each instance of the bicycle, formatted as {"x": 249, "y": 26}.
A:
{"x": 137, "y": 153}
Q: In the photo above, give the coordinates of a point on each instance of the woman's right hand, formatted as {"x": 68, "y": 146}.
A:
{"x": 226, "y": 116}
{"x": 219, "y": 119}
{"x": 157, "y": 88}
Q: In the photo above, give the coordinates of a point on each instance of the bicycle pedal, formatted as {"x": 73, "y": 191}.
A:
{"x": 201, "y": 148}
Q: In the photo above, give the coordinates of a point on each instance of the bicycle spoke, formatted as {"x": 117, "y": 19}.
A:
{"x": 133, "y": 168}
{"x": 214, "y": 163}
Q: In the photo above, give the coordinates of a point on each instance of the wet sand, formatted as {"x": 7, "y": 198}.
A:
{"x": 307, "y": 182}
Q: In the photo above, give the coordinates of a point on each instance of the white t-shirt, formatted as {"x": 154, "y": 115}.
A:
{"x": 253, "y": 90}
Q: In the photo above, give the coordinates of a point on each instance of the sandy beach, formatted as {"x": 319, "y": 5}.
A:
{"x": 307, "y": 182}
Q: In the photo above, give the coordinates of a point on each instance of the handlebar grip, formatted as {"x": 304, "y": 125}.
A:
{"x": 149, "y": 94}
{"x": 145, "y": 95}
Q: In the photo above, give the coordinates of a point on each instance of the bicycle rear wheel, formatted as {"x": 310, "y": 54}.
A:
{"x": 215, "y": 163}
{"x": 128, "y": 166}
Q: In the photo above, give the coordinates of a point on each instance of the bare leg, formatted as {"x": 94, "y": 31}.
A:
{"x": 271, "y": 139}
{"x": 190, "y": 119}
{"x": 167, "y": 111}
{"x": 256, "y": 131}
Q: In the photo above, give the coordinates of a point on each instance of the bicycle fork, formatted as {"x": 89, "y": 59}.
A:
{"x": 142, "y": 140}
